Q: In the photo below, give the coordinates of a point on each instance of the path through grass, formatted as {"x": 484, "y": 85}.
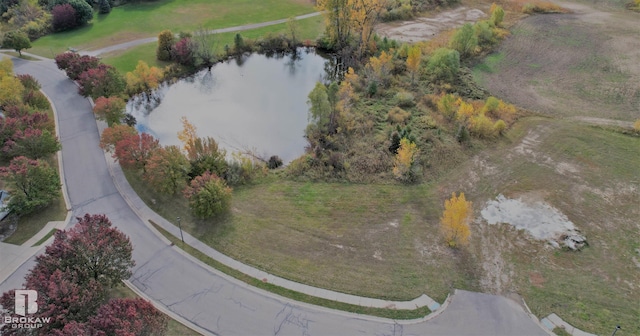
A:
{"x": 147, "y": 19}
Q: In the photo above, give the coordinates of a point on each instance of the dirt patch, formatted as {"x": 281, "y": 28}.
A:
{"x": 425, "y": 28}
{"x": 536, "y": 279}
{"x": 579, "y": 64}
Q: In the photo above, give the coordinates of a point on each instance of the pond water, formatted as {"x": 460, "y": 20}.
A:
{"x": 255, "y": 103}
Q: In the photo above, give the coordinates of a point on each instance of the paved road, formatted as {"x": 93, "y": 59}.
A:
{"x": 130, "y": 44}
{"x": 213, "y": 301}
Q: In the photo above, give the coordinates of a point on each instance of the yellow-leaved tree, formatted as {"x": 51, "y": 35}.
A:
{"x": 188, "y": 136}
{"x": 144, "y": 78}
{"x": 454, "y": 222}
{"x": 404, "y": 159}
{"x": 413, "y": 60}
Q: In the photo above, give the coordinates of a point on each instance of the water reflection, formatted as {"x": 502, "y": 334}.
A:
{"x": 257, "y": 102}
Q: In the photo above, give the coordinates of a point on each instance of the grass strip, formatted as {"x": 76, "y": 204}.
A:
{"x": 44, "y": 239}
{"x": 380, "y": 312}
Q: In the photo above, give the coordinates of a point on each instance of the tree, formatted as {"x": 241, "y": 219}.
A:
{"x": 336, "y": 14}
{"x": 205, "y": 43}
{"x": 165, "y": 44}
{"x": 143, "y": 78}
{"x": 133, "y": 152}
{"x": 293, "y": 27}
{"x": 84, "y": 12}
{"x": 6, "y": 67}
{"x": 183, "y": 52}
{"x": 11, "y": 91}
{"x": 129, "y": 317}
{"x": 103, "y": 80}
{"x": 92, "y": 250}
{"x": 208, "y": 195}
{"x": 413, "y": 60}
{"x": 64, "y": 60}
{"x": 347, "y": 19}
{"x": 448, "y": 106}
{"x": 167, "y": 170}
{"x": 464, "y": 41}
{"x": 32, "y": 143}
{"x": 104, "y": 6}
{"x": 404, "y": 159}
{"x": 188, "y": 136}
{"x": 319, "y": 106}
{"x": 109, "y": 109}
{"x": 454, "y": 222}
{"x": 33, "y": 183}
{"x": 443, "y": 65}
{"x": 17, "y": 40}
{"x": 207, "y": 156}
{"x": 64, "y": 17}
{"x": 77, "y": 65}
{"x": 112, "y": 135}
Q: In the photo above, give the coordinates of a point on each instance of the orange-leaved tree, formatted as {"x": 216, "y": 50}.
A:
{"x": 454, "y": 222}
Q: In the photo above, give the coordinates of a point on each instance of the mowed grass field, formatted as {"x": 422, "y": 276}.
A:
{"x": 147, "y": 19}
{"x": 126, "y": 60}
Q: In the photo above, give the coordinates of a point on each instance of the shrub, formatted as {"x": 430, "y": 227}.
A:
{"x": 481, "y": 126}
{"x": 103, "y": 81}
{"x": 64, "y": 60}
{"x": 34, "y": 184}
{"x": 398, "y": 116}
{"x": 64, "y": 17}
{"x": 497, "y": 15}
{"x": 443, "y": 65}
{"x": 29, "y": 82}
{"x": 183, "y": 52}
{"x": 274, "y": 162}
{"x": 404, "y": 99}
{"x": 81, "y": 64}
{"x": 104, "y": 6}
{"x": 448, "y": 106}
{"x": 499, "y": 127}
{"x": 208, "y": 195}
{"x": 36, "y": 99}
{"x": 542, "y": 7}
{"x": 484, "y": 34}
{"x": 165, "y": 45}
{"x": 464, "y": 41}
{"x": 636, "y": 125}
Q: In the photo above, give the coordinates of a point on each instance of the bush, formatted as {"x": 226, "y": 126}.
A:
{"x": 110, "y": 109}
{"x": 64, "y": 17}
{"x": 398, "y": 116}
{"x": 464, "y": 41}
{"x": 404, "y": 99}
{"x": 274, "y": 162}
{"x": 81, "y": 64}
{"x": 481, "y": 126}
{"x": 208, "y": 195}
{"x": 443, "y": 65}
{"x": 29, "y": 82}
{"x": 542, "y": 7}
{"x": 36, "y": 99}
{"x": 104, "y": 6}
{"x": 165, "y": 45}
{"x": 183, "y": 52}
{"x": 499, "y": 127}
{"x": 497, "y": 15}
{"x": 484, "y": 34}
{"x": 103, "y": 81}
{"x": 636, "y": 125}
{"x": 64, "y": 60}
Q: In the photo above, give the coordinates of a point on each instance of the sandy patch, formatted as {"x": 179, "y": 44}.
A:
{"x": 538, "y": 218}
{"x": 425, "y": 28}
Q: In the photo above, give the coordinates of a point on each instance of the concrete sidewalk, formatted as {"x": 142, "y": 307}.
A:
{"x": 147, "y": 214}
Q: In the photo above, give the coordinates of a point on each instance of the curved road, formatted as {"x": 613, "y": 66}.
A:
{"x": 200, "y": 294}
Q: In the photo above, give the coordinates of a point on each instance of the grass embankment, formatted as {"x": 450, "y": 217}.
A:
{"x": 174, "y": 328}
{"x": 590, "y": 174}
{"x": 126, "y": 60}
{"x": 147, "y": 19}
{"x": 378, "y": 241}
{"x": 388, "y": 313}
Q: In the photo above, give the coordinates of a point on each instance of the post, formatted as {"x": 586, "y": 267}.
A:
{"x": 180, "y": 226}
{"x": 616, "y": 329}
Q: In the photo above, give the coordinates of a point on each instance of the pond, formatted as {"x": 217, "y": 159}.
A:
{"x": 255, "y": 103}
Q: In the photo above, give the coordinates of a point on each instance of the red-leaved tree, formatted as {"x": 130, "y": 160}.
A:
{"x": 64, "y": 60}
{"x": 92, "y": 250}
{"x": 112, "y": 135}
{"x": 103, "y": 80}
{"x": 64, "y": 17}
{"x": 128, "y": 317}
{"x": 133, "y": 152}
{"x": 208, "y": 195}
{"x": 81, "y": 64}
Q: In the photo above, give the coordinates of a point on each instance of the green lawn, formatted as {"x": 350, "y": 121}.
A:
{"x": 147, "y": 19}
{"x": 126, "y": 60}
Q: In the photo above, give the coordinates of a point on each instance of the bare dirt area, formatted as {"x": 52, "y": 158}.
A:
{"x": 586, "y": 63}
{"x": 569, "y": 173}
{"x": 425, "y": 28}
